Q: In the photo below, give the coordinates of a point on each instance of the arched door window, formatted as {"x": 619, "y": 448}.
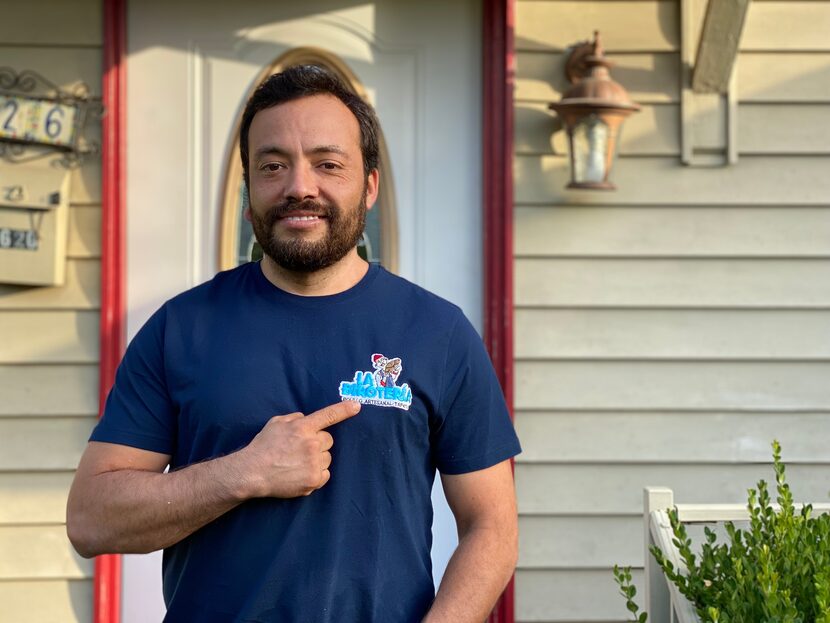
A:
{"x": 379, "y": 243}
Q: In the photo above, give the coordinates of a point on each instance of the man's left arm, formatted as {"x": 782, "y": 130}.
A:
{"x": 484, "y": 505}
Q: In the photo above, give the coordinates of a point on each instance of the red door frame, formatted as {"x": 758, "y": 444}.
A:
{"x": 497, "y": 176}
{"x": 107, "y": 582}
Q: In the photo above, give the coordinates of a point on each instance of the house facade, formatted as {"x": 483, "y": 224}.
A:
{"x": 660, "y": 334}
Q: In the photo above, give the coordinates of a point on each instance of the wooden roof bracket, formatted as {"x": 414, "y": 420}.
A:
{"x": 718, "y": 45}
{"x": 710, "y": 35}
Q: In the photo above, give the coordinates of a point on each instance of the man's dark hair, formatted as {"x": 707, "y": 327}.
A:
{"x": 305, "y": 81}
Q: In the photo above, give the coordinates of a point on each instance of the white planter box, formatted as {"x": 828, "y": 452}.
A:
{"x": 663, "y": 600}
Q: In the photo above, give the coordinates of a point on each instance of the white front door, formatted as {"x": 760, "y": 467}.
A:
{"x": 191, "y": 63}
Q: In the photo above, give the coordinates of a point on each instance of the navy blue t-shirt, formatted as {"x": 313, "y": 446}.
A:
{"x": 209, "y": 369}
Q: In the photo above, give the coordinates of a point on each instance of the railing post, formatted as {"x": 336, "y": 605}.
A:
{"x": 657, "y": 599}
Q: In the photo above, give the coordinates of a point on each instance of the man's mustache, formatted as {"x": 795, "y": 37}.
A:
{"x": 291, "y": 206}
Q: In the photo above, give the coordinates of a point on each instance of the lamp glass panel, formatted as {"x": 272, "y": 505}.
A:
{"x": 589, "y": 145}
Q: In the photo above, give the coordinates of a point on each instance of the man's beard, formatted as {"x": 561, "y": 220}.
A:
{"x": 344, "y": 229}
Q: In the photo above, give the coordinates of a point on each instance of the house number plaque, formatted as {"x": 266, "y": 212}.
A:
{"x": 18, "y": 239}
{"x": 37, "y": 120}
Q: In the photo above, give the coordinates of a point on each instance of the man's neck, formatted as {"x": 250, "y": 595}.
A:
{"x": 334, "y": 279}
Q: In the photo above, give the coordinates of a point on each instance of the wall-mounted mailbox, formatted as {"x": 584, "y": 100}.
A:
{"x": 34, "y": 220}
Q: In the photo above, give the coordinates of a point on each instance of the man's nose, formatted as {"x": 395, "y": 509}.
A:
{"x": 302, "y": 183}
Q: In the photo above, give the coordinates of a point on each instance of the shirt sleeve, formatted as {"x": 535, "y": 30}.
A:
{"x": 473, "y": 430}
{"x": 138, "y": 410}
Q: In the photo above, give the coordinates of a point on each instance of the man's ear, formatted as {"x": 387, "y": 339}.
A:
{"x": 247, "y": 214}
{"x": 372, "y": 187}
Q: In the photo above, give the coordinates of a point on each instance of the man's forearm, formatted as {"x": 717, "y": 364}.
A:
{"x": 133, "y": 511}
{"x": 475, "y": 577}
{"x": 115, "y": 508}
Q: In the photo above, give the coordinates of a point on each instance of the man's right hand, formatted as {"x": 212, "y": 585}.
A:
{"x": 291, "y": 455}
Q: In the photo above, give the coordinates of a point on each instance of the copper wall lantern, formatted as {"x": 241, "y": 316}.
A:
{"x": 592, "y": 112}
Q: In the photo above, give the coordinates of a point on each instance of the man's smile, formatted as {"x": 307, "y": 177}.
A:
{"x": 302, "y": 218}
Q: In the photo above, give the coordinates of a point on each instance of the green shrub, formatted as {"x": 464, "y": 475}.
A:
{"x": 775, "y": 571}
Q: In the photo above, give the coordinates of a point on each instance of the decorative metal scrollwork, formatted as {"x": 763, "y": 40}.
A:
{"x": 31, "y": 84}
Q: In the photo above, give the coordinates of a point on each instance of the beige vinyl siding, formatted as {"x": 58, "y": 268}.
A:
{"x": 589, "y": 486}
{"x": 36, "y": 336}
{"x": 787, "y": 25}
{"x": 84, "y": 232}
{"x": 49, "y": 353}
{"x": 43, "y": 443}
{"x": 552, "y": 25}
{"x": 662, "y": 436}
{"x": 34, "y": 497}
{"x": 569, "y": 594}
{"x": 48, "y": 601}
{"x": 56, "y": 23}
{"x": 768, "y": 77}
{"x": 665, "y": 333}
{"x": 673, "y": 282}
{"x": 81, "y": 290}
{"x": 703, "y": 232}
{"x": 756, "y": 180}
{"x": 39, "y": 391}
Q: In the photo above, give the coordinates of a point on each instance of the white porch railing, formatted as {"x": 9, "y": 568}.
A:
{"x": 663, "y": 601}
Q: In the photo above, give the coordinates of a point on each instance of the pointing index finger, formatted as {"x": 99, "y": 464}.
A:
{"x": 331, "y": 415}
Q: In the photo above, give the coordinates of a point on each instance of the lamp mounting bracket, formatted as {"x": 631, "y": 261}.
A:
{"x": 584, "y": 57}
{"x": 576, "y": 65}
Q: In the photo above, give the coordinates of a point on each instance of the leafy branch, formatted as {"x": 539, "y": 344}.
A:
{"x": 775, "y": 571}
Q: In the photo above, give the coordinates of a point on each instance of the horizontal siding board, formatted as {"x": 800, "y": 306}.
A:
{"x": 626, "y": 25}
{"x": 85, "y": 183}
{"x": 34, "y": 498}
{"x": 775, "y": 77}
{"x": 784, "y": 129}
{"x": 617, "y": 488}
{"x": 761, "y": 180}
{"x": 654, "y": 131}
{"x": 671, "y": 437}
{"x": 534, "y": 129}
{"x": 675, "y": 385}
{"x": 82, "y": 290}
{"x": 67, "y": 67}
{"x": 31, "y": 552}
{"x": 648, "y": 78}
{"x": 64, "y": 336}
{"x": 580, "y": 542}
{"x": 54, "y": 23}
{"x": 48, "y": 443}
{"x": 673, "y": 283}
{"x": 84, "y": 232}
{"x": 47, "y": 601}
{"x": 672, "y": 334}
{"x": 571, "y": 595}
{"x": 43, "y": 390}
{"x": 787, "y": 25}
{"x": 713, "y": 231}
{"x": 91, "y": 136}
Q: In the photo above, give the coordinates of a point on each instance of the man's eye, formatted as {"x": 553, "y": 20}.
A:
{"x": 330, "y": 166}
{"x": 271, "y": 166}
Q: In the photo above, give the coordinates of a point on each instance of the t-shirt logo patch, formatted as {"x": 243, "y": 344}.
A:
{"x": 378, "y": 387}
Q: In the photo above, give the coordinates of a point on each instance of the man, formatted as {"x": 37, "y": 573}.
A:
{"x": 267, "y": 514}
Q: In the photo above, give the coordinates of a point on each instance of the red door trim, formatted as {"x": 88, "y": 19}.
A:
{"x": 497, "y": 176}
{"x": 107, "y": 579}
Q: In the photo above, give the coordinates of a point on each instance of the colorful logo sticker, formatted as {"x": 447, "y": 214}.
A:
{"x": 378, "y": 387}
